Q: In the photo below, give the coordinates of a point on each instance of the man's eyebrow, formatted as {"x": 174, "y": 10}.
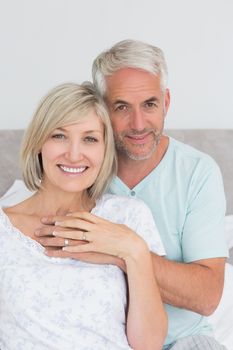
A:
{"x": 152, "y": 99}
{"x": 118, "y": 101}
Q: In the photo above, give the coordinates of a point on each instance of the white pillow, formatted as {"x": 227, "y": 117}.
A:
{"x": 222, "y": 318}
{"x": 229, "y": 230}
{"x": 15, "y": 194}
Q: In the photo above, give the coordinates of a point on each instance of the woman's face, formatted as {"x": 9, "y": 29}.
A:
{"x": 72, "y": 155}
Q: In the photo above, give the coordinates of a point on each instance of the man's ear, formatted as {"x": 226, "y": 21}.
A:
{"x": 166, "y": 101}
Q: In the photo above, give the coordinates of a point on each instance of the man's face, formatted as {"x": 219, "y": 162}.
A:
{"x": 137, "y": 107}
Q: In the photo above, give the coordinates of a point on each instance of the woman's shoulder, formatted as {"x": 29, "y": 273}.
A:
{"x": 4, "y": 219}
{"x": 127, "y": 202}
{"x": 121, "y": 205}
{"x": 7, "y": 212}
{"x": 19, "y": 208}
{"x": 14, "y": 213}
{"x": 18, "y": 217}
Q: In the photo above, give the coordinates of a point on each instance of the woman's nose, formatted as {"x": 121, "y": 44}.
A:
{"x": 74, "y": 152}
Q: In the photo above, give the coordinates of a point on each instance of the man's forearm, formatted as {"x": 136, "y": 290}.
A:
{"x": 195, "y": 286}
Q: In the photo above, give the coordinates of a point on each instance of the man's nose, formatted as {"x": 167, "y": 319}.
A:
{"x": 137, "y": 120}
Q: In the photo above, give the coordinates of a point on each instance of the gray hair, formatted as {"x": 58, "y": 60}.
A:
{"x": 64, "y": 105}
{"x": 129, "y": 54}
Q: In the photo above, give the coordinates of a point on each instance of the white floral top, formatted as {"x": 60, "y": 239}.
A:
{"x": 63, "y": 304}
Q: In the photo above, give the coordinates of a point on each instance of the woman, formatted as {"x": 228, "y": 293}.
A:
{"x": 47, "y": 303}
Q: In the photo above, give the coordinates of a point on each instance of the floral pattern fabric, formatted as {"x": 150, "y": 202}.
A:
{"x": 63, "y": 304}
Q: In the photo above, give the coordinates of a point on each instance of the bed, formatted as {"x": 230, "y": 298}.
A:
{"x": 217, "y": 143}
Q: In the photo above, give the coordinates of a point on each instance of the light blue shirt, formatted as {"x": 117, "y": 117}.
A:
{"x": 186, "y": 196}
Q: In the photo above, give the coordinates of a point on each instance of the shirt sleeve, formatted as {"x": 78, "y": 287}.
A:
{"x": 203, "y": 233}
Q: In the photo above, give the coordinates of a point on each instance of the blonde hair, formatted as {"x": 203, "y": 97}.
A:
{"x": 129, "y": 54}
{"x": 63, "y": 105}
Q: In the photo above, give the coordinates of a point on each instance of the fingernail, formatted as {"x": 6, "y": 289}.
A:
{"x": 54, "y": 233}
{"x": 44, "y": 219}
{"x": 37, "y": 232}
{"x": 57, "y": 223}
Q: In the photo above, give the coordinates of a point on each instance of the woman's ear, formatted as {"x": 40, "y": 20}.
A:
{"x": 40, "y": 161}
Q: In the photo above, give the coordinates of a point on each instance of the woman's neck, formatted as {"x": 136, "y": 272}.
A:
{"x": 45, "y": 203}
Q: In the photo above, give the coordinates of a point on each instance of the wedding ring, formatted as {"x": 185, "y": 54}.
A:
{"x": 84, "y": 237}
{"x": 66, "y": 242}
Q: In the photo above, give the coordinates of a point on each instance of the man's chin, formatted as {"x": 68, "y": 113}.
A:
{"x": 127, "y": 153}
{"x": 136, "y": 157}
{"x": 136, "y": 152}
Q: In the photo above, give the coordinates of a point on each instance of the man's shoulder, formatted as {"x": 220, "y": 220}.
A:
{"x": 185, "y": 153}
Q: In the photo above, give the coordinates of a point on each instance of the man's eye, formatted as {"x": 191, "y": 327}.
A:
{"x": 91, "y": 139}
{"x": 150, "y": 105}
{"x": 121, "y": 108}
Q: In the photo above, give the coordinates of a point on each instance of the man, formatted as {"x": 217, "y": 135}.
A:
{"x": 182, "y": 186}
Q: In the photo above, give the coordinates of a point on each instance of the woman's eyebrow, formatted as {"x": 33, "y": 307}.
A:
{"x": 92, "y": 131}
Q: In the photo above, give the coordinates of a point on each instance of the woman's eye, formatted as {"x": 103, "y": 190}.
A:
{"x": 91, "y": 139}
{"x": 58, "y": 136}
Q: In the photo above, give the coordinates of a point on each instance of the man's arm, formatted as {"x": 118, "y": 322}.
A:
{"x": 194, "y": 286}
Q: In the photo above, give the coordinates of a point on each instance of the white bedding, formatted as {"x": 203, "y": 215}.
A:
{"x": 222, "y": 319}
{"x": 229, "y": 230}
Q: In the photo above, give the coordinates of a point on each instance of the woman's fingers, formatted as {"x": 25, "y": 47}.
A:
{"x": 72, "y": 220}
{"x": 47, "y": 230}
{"x": 100, "y": 235}
{"x": 50, "y": 220}
{"x": 57, "y": 242}
{"x": 75, "y": 235}
{"x": 85, "y": 215}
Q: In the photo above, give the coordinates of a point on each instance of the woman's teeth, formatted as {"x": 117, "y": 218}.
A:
{"x": 73, "y": 170}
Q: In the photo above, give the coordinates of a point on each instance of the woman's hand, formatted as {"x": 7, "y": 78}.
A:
{"x": 83, "y": 232}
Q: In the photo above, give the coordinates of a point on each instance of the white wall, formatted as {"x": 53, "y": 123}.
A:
{"x": 46, "y": 42}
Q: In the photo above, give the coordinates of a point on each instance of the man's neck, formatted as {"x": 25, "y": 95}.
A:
{"x": 131, "y": 172}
